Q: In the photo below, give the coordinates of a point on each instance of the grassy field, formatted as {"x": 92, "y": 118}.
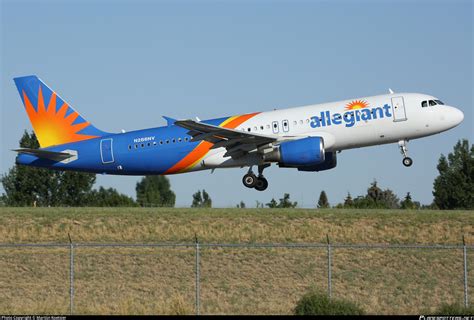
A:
{"x": 234, "y": 280}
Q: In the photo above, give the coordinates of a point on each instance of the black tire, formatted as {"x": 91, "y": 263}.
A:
{"x": 249, "y": 180}
{"x": 407, "y": 161}
{"x": 262, "y": 184}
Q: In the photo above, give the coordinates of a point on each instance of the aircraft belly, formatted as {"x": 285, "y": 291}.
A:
{"x": 217, "y": 160}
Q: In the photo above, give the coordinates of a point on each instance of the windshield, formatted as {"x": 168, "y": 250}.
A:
{"x": 431, "y": 103}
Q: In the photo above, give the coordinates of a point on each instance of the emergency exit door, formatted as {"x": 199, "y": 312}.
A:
{"x": 398, "y": 109}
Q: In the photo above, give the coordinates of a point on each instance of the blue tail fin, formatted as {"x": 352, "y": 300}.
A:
{"x": 54, "y": 121}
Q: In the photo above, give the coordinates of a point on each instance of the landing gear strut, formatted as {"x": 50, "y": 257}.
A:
{"x": 250, "y": 180}
{"x": 407, "y": 161}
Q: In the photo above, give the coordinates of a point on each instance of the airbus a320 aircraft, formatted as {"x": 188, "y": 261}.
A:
{"x": 303, "y": 138}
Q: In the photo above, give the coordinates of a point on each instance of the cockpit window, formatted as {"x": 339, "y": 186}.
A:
{"x": 431, "y": 103}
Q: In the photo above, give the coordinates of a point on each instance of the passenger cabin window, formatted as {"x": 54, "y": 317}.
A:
{"x": 275, "y": 126}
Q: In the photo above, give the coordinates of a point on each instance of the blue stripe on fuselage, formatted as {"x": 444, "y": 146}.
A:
{"x": 128, "y": 160}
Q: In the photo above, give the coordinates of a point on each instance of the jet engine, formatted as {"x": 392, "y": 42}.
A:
{"x": 306, "y": 152}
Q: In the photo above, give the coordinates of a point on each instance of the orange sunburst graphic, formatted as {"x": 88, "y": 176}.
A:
{"x": 357, "y": 104}
{"x": 51, "y": 126}
{"x": 198, "y": 153}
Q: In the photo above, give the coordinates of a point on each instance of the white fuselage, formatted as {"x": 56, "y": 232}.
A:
{"x": 375, "y": 120}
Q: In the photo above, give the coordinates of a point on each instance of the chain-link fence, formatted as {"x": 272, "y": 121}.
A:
{"x": 213, "y": 278}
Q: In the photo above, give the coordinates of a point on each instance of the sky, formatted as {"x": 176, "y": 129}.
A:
{"x": 124, "y": 64}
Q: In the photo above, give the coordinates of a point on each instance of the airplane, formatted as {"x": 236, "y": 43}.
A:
{"x": 305, "y": 138}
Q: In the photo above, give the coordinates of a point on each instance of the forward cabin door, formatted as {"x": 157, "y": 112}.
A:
{"x": 398, "y": 108}
{"x": 106, "y": 151}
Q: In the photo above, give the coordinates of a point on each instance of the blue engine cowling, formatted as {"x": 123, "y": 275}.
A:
{"x": 301, "y": 153}
{"x": 330, "y": 162}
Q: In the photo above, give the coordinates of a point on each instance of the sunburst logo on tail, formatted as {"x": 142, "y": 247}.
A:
{"x": 357, "y": 104}
{"x": 54, "y": 126}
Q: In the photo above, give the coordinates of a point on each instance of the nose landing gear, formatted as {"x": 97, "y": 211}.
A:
{"x": 250, "y": 180}
{"x": 407, "y": 161}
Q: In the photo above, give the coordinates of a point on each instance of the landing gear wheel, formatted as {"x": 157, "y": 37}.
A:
{"x": 249, "y": 180}
{"x": 262, "y": 184}
{"x": 407, "y": 161}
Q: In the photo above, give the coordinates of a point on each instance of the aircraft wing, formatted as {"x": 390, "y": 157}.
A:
{"x": 45, "y": 154}
{"x": 237, "y": 143}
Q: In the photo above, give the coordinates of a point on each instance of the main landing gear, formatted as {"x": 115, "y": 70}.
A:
{"x": 250, "y": 180}
{"x": 407, "y": 161}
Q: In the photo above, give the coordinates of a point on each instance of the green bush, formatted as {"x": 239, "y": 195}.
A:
{"x": 316, "y": 303}
{"x": 454, "y": 310}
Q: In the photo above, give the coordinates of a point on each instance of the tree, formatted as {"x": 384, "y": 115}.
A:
{"x": 374, "y": 193}
{"x": 375, "y": 198}
{"x": 348, "y": 202}
{"x": 454, "y": 187}
{"x": 241, "y": 205}
{"x": 197, "y": 200}
{"x": 201, "y": 200}
{"x": 408, "y": 203}
{"x": 75, "y": 187}
{"x": 284, "y": 202}
{"x": 155, "y": 191}
{"x": 109, "y": 198}
{"x": 206, "y": 200}
{"x": 272, "y": 204}
{"x": 323, "y": 200}
{"x": 389, "y": 200}
{"x": 28, "y": 186}
{"x": 378, "y": 198}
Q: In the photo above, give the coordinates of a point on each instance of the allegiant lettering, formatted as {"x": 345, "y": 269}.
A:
{"x": 349, "y": 118}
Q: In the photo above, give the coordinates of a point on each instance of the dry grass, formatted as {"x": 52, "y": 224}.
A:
{"x": 234, "y": 280}
{"x": 234, "y": 225}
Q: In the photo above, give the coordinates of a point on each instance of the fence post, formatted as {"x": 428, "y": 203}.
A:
{"x": 329, "y": 268}
{"x": 198, "y": 276}
{"x": 466, "y": 299}
{"x": 71, "y": 275}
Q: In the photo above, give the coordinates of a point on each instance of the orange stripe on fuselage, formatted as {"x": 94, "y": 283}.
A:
{"x": 193, "y": 158}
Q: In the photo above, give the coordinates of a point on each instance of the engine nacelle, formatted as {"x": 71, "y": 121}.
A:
{"x": 298, "y": 153}
{"x": 329, "y": 163}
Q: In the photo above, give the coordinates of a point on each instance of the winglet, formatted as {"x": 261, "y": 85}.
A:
{"x": 170, "y": 121}
{"x": 390, "y": 90}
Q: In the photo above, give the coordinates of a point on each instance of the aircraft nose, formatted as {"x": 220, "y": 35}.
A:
{"x": 457, "y": 116}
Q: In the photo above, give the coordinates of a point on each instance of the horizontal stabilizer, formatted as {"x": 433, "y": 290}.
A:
{"x": 51, "y": 155}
